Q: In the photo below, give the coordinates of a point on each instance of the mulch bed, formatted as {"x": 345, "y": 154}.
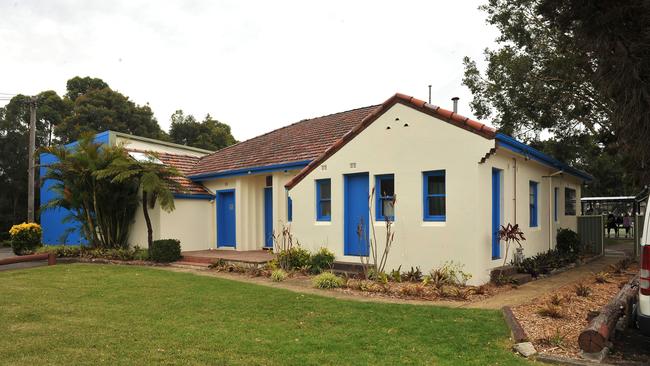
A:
{"x": 560, "y": 336}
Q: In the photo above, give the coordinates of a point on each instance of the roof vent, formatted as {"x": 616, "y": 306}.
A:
{"x": 455, "y": 100}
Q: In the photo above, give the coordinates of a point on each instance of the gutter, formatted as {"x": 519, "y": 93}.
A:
{"x": 551, "y": 202}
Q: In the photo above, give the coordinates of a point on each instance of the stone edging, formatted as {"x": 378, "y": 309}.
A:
{"x": 518, "y": 333}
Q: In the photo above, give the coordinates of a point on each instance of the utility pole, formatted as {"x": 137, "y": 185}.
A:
{"x": 32, "y": 151}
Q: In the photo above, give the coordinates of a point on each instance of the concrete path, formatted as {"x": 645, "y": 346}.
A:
{"x": 8, "y": 253}
{"x": 531, "y": 290}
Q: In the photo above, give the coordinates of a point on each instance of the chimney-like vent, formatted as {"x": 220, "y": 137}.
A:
{"x": 455, "y": 100}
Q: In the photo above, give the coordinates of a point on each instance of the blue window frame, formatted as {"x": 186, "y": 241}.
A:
{"x": 289, "y": 209}
{"x": 324, "y": 200}
{"x": 533, "y": 204}
{"x": 434, "y": 194}
{"x": 556, "y": 192}
{"x": 384, "y": 197}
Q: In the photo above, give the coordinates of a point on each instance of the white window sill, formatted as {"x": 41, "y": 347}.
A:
{"x": 322, "y": 223}
{"x": 433, "y": 224}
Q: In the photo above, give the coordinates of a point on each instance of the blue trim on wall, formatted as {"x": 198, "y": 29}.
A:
{"x": 520, "y": 148}
{"x": 496, "y": 213}
{"x": 426, "y": 195}
{"x": 556, "y": 192}
{"x": 194, "y": 196}
{"x": 289, "y": 209}
{"x": 319, "y": 201}
{"x": 254, "y": 170}
{"x": 533, "y": 186}
{"x": 378, "y": 197}
{"x": 222, "y": 224}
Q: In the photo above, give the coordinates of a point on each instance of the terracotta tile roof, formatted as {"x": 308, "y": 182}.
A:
{"x": 298, "y": 142}
{"x": 184, "y": 164}
{"x": 430, "y": 109}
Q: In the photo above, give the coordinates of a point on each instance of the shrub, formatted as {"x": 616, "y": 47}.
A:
{"x": 543, "y": 263}
{"x": 396, "y": 275}
{"x": 582, "y": 290}
{"x": 321, "y": 261}
{"x": 413, "y": 275}
{"x": 61, "y": 251}
{"x": 327, "y": 280}
{"x": 165, "y": 250}
{"x": 568, "y": 241}
{"x": 140, "y": 254}
{"x": 25, "y": 238}
{"x": 450, "y": 273}
{"x": 5, "y": 244}
{"x": 413, "y": 290}
{"x": 293, "y": 258}
{"x": 556, "y": 300}
{"x": 551, "y": 311}
{"x": 601, "y": 277}
{"x": 278, "y": 275}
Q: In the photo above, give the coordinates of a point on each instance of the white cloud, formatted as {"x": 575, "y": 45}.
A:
{"x": 256, "y": 65}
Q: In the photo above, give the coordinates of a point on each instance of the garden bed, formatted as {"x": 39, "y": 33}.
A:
{"x": 554, "y": 321}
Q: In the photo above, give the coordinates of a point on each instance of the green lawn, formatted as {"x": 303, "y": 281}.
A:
{"x": 90, "y": 314}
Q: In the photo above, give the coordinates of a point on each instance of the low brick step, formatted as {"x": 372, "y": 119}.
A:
{"x": 191, "y": 259}
{"x": 503, "y": 271}
{"x": 190, "y": 264}
{"x": 521, "y": 278}
{"x": 347, "y": 268}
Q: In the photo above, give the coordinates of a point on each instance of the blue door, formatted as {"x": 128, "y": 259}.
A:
{"x": 226, "y": 227}
{"x": 496, "y": 213}
{"x": 356, "y": 214}
{"x": 268, "y": 217}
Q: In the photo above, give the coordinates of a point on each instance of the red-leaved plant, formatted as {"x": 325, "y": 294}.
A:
{"x": 510, "y": 233}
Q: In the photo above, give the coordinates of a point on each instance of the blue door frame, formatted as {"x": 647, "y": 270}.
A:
{"x": 268, "y": 217}
{"x": 226, "y": 221}
{"x": 496, "y": 213}
{"x": 356, "y": 215}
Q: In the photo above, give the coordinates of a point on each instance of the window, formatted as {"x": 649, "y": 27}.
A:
{"x": 289, "y": 209}
{"x": 323, "y": 200}
{"x": 533, "y": 204}
{"x": 569, "y": 201}
{"x": 385, "y": 193}
{"x": 556, "y": 193}
{"x": 434, "y": 196}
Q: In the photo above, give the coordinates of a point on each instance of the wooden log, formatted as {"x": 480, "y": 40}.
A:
{"x": 518, "y": 332}
{"x": 597, "y": 333}
{"x": 27, "y": 258}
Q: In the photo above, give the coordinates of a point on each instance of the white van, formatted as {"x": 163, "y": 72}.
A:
{"x": 643, "y": 308}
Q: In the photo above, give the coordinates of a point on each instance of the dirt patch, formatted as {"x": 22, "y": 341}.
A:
{"x": 554, "y": 320}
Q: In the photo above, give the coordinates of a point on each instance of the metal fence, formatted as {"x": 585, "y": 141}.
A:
{"x": 592, "y": 233}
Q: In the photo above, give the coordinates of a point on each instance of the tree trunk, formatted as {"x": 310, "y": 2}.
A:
{"x": 147, "y": 219}
{"x": 595, "y": 336}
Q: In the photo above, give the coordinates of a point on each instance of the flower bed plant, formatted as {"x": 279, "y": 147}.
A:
{"x": 25, "y": 238}
{"x": 76, "y": 251}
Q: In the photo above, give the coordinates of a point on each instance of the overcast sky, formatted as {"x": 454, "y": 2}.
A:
{"x": 256, "y": 65}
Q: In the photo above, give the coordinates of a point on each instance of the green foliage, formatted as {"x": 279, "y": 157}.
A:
{"x": 321, "y": 261}
{"x": 327, "y": 280}
{"x": 545, "y": 76}
{"x": 278, "y": 275}
{"x": 294, "y": 258}
{"x": 62, "y": 251}
{"x": 545, "y": 262}
{"x": 156, "y": 182}
{"x": 98, "y": 110}
{"x": 450, "y": 273}
{"x": 568, "y": 241}
{"x": 582, "y": 290}
{"x": 165, "y": 250}
{"x": 103, "y": 209}
{"x": 396, "y": 275}
{"x": 209, "y": 134}
{"x": 413, "y": 275}
{"x": 25, "y": 238}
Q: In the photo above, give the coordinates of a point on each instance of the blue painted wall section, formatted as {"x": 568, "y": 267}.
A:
{"x": 55, "y": 230}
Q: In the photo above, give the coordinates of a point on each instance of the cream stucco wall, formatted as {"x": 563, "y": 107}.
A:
{"x": 249, "y": 203}
{"x": 407, "y": 151}
{"x": 191, "y": 222}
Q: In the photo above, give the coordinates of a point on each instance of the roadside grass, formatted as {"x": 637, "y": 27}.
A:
{"x": 119, "y": 315}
